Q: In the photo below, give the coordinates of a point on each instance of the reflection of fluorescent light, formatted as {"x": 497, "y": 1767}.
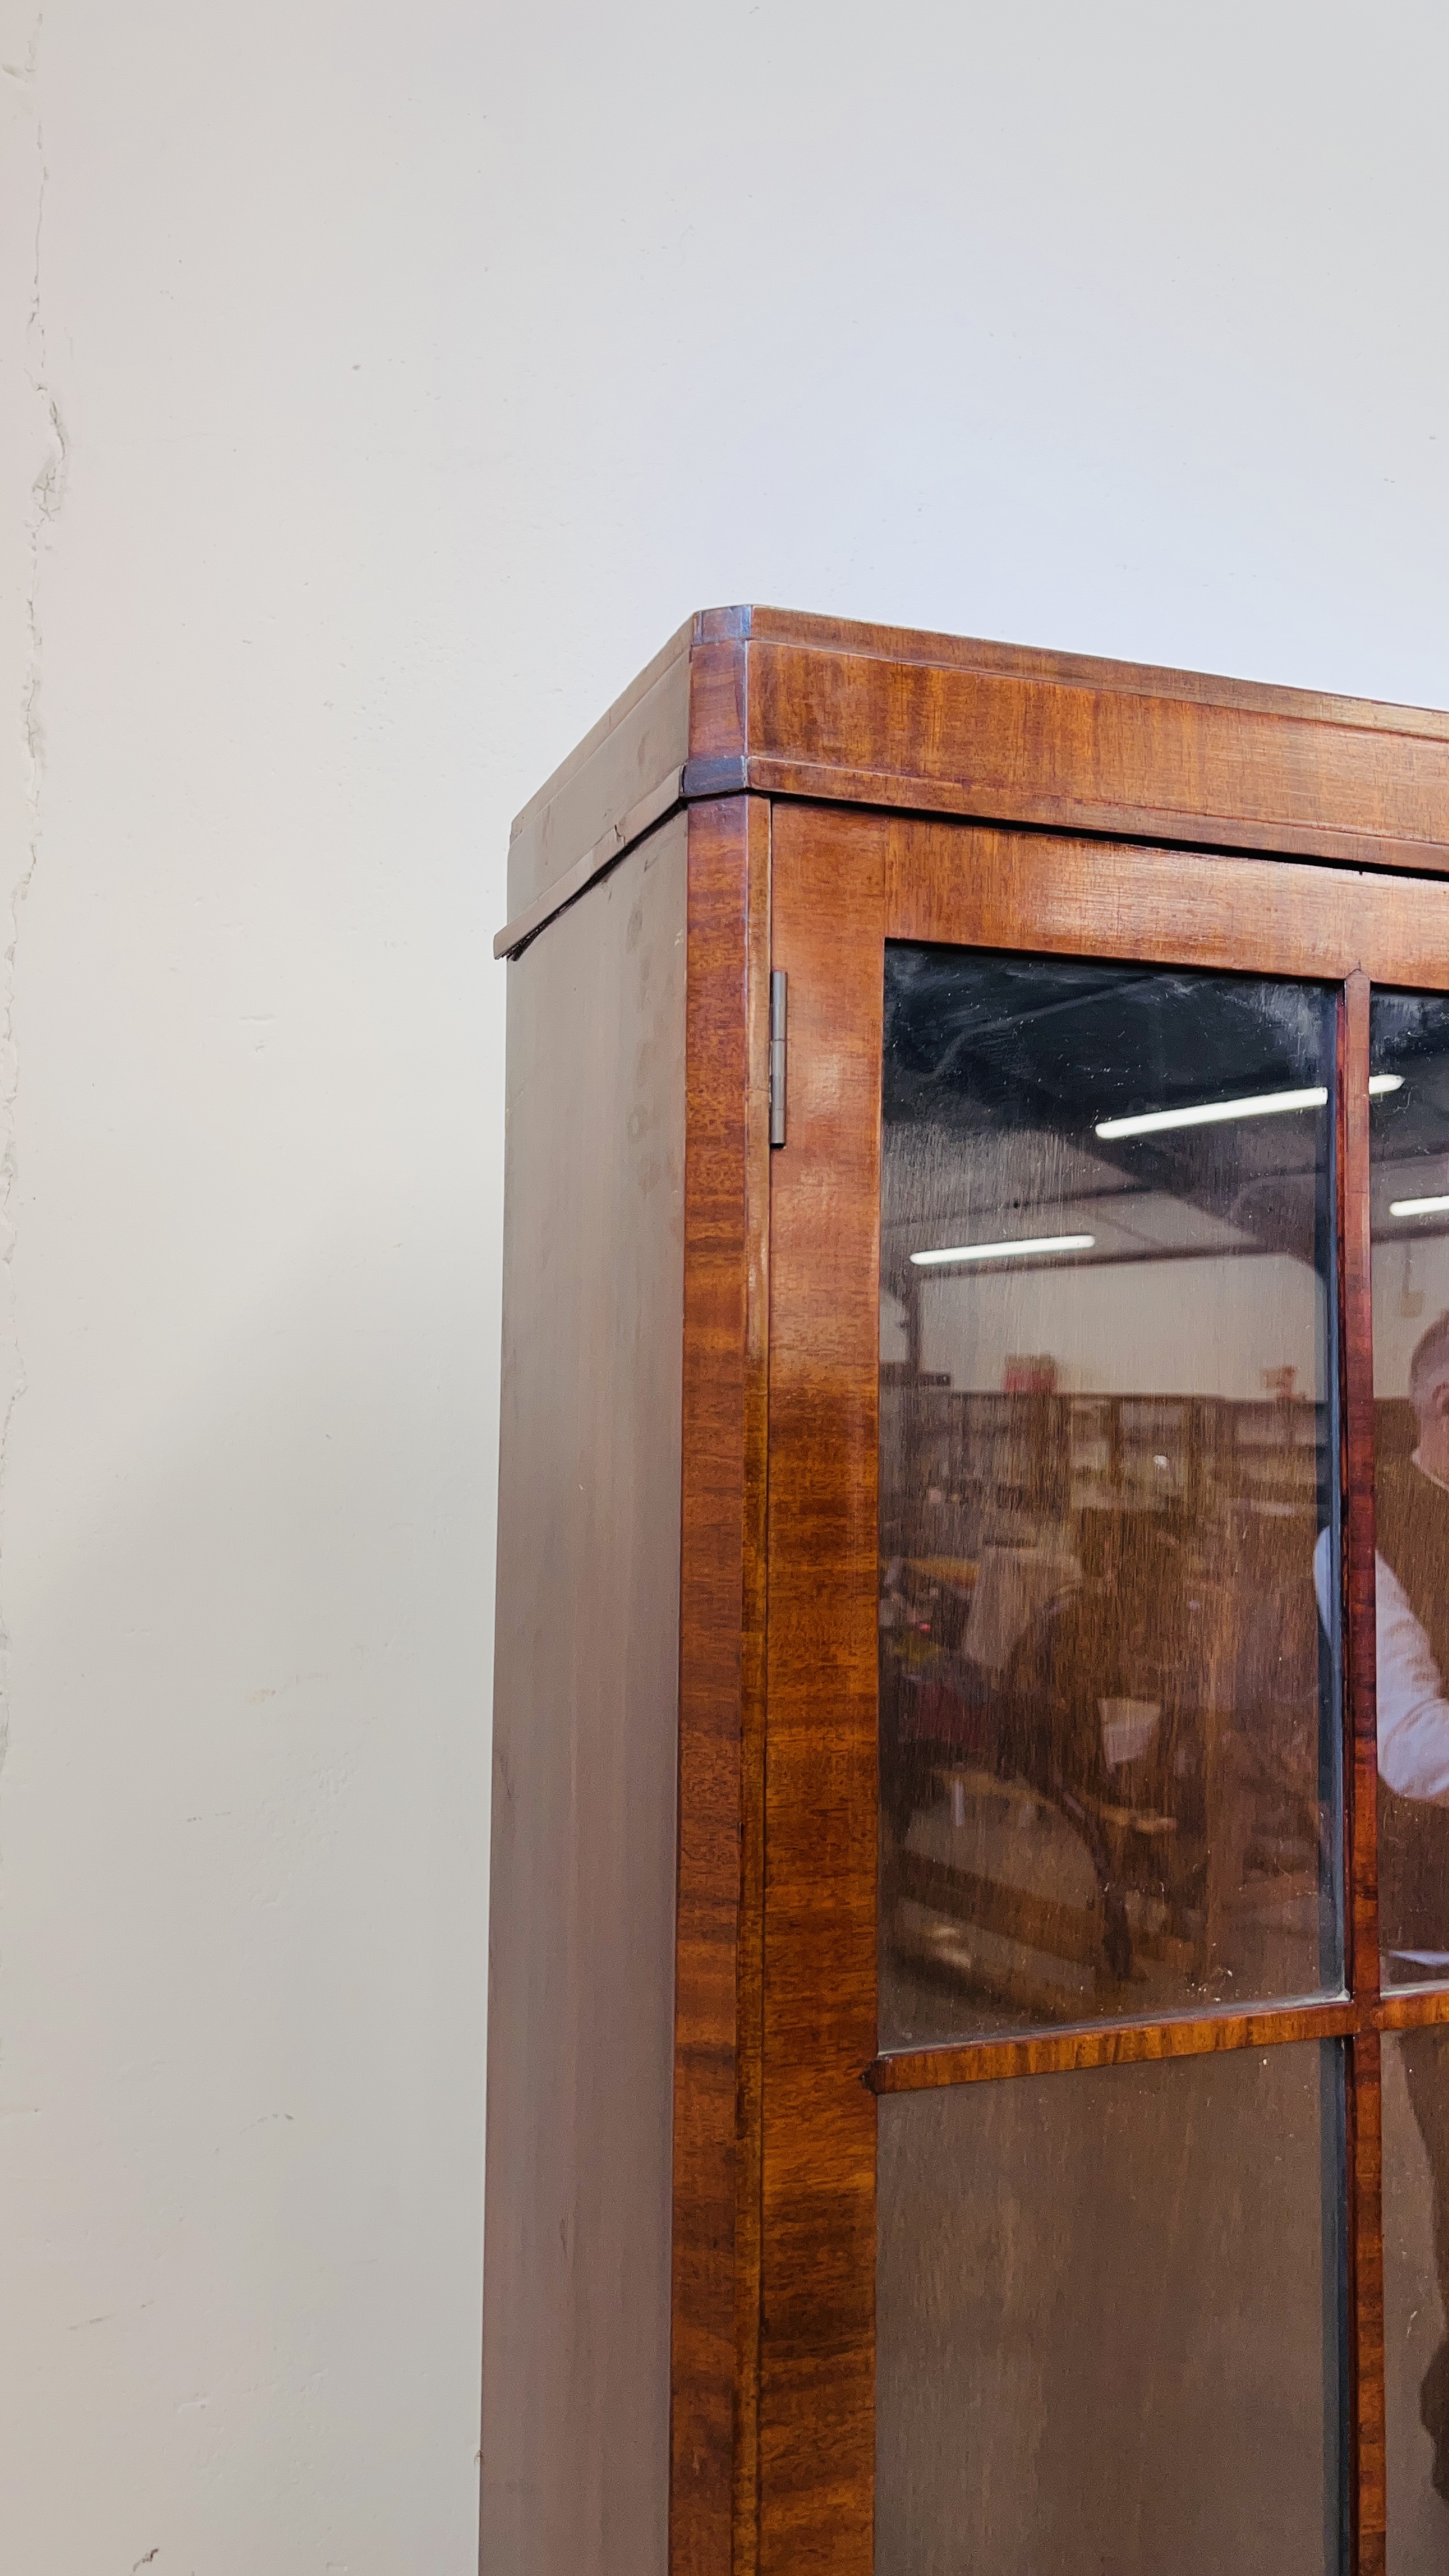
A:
{"x": 1211, "y": 1113}
{"x": 1207, "y": 1113}
{"x": 1006, "y": 1251}
{"x": 1417, "y": 1207}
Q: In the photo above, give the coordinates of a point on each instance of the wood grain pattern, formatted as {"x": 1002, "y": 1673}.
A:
{"x": 795, "y": 706}
{"x": 1056, "y": 896}
{"x": 1411, "y": 2010}
{"x": 750, "y": 1999}
{"x": 1102, "y": 809}
{"x": 817, "y": 2366}
{"x": 870, "y": 714}
{"x": 1097, "y": 753}
{"x": 1356, "y": 1484}
{"x": 968, "y": 653}
{"x": 642, "y": 737}
{"x": 1087, "y": 2044}
{"x": 716, "y": 2126}
{"x": 576, "y": 2342}
{"x": 1367, "y": 2485}
{"x": 1065, "y": 2052}
{"x": 842, "y": 883}
{"x": 717, "y": 705}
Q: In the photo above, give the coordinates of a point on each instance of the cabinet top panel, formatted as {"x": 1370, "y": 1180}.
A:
{"x": 768, "y": 700}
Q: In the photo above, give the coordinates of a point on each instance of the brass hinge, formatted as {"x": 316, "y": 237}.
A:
{"x": 779, "y": 983}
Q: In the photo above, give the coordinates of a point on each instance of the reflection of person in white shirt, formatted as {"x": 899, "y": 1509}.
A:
{"x": 1413, "y": 1705}
{"x": 1412, "y": 1624}
{"x": 1412, "y": 1621}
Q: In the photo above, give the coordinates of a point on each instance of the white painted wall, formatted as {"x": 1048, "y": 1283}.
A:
{"x": 390, "y": 383}
{"x": 1209, "y": 1327}
{"x": 1411, "y": 1288}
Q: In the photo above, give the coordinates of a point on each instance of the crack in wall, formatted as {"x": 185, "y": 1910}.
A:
{"x": 47, "y": 493}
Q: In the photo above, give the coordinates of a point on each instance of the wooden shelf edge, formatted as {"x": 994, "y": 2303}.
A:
{"x": 1086, "y": 2045}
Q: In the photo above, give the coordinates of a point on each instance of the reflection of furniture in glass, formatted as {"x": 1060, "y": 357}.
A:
{"x": 1183, "y": 1819}
{"x": 924, "y": 2015}
{"x": 1186, "y": 1846}
{"x": 1108, "y": 1452}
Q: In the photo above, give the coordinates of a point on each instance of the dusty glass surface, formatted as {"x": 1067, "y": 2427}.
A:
{"x": 1110, "y": 2320}
{"x": 1109, "y": 1708}
{"x": 1409, "y": 1157}
{"x": 1416, "y": 2298}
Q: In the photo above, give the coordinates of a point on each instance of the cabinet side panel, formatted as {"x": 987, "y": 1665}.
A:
{"x": 640, "y": 741}
{"x": 581, "y": 1951}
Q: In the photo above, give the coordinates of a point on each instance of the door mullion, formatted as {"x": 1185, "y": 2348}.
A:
{"x": 1356, "y": 1457}
{"x": 1361, "y": 1856}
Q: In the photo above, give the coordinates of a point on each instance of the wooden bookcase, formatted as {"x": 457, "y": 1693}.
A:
{"x": 700, "y": 1836}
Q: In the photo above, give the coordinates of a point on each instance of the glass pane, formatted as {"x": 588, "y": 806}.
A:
{"x": 1416, "y": 2298}
{"x": 1109, "y": 1711}
{"x": 1109, "y": 2322}
{"x": 1409, "y": 1143}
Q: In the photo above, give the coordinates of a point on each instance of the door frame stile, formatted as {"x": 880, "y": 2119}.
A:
{"x": 714, "y": 2359}
{"x": 844, "y": 882}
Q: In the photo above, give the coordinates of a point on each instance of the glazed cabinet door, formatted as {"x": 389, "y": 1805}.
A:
{"x": 1105, "y": 2198}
